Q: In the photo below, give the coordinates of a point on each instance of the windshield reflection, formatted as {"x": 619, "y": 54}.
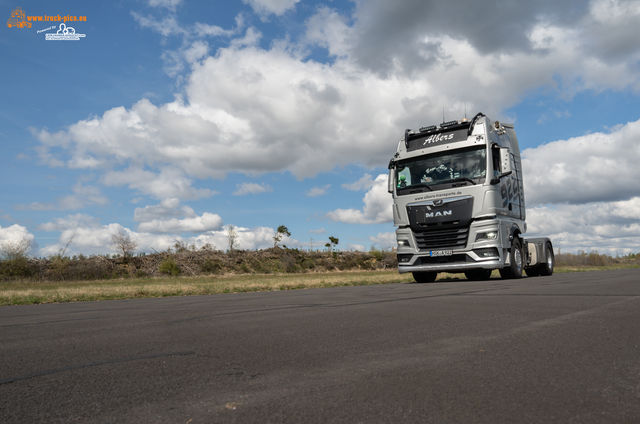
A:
{"x": 443, "y": 167}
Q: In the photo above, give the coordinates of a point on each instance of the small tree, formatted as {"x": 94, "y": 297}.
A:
{"x": 123, "y": 243}
{"x": 333, "y": 242}
{"x": 232, "y": 237}
{"x": 280, "y": 233}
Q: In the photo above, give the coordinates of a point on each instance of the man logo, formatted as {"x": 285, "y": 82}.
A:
{"x": 438, "y": 202}
{"x": 436, "y": 214}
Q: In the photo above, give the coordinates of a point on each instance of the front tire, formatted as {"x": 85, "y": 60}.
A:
{"x": 514, "y": 270}
{"x": 424, "y": 277}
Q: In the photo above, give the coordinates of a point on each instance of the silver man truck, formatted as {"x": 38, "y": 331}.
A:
{"x": 459, "y": 203}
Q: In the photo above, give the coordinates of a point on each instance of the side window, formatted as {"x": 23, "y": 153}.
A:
{"x": 404, "y": 177}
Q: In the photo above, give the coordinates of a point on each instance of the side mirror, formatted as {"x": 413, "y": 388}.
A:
{"x": 505, "y": 166}
{"x": 391, "y": 182}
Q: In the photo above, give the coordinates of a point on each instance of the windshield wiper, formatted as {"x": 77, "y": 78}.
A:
{"x": 455, "y": 180}
{"x": 420, "y": 185}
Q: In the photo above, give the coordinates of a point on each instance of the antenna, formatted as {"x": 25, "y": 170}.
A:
{"x": 443, "y": 114}
{"x": 465, "y": 111}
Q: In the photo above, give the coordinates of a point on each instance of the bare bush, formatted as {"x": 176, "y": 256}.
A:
{"x": 11, "y": 250}
{"x": 123, "y": 243}
{"x": 232, "y": 237}
{"x": 15, "y": 258}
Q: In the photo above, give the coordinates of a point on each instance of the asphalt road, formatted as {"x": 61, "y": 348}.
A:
{"x": 558, "y": 349}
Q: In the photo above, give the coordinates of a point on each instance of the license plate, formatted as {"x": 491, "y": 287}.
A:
{"x": 441, "y": 253}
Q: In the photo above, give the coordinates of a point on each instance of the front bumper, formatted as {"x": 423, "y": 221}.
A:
{"x": 483, "y": 254}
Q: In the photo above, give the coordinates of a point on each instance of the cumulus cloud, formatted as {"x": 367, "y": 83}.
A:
{"x": 252, "y": 188}
{"x": 170, "y": 217}
{"x": 376, "y": 210}
{"x": 356, "y": 247}
{"x": 266, "y": 7}
{"x": 83, "y": 196}
{"x": 592, "y": 168}
{"x": 169, "y": 4}
{"x": 384, "y": 240}
{"x": 168, "y": 208}
{"x": 364, "y": 183}
{"x": 612, "y": 228}
{"x": 166, "y": 184}
{"x": 196, "y": 224}
{"x": 96, "y": 239}
{"x": 15, "y": 234}
{"x": 317, "y": 191}
{"x": 70, "y": 222}
{"x": 254, "y": 110}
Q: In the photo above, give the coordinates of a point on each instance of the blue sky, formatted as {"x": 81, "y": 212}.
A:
{"x": 173, "y": 119}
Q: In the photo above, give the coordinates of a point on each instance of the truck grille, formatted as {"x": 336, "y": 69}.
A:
{"x": 441, "y": 239}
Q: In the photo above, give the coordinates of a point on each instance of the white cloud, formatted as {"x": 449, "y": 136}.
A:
{"x": 197, "y": 224}
{"x": 610, "y": 228}
{"x": 252, "y": 188}
{"x": 594, "y": 167}
{"x": 15, "y": 234}
{"x": 168, "y": 208}
{"x": 356, "y": 247}
{"x": 169, "y": 4}
{"x": 251, "y": 110}
{"x": 319, "y": 231}
{"x": 364, "y": 183}
{"x": 267, "y": 7}
{"x": 168, "y": 183}
{"x": 70, "y": 222}
{"x": 384, "y": 240}
{"x": 317, "y": 191}
{"x": 377, "y": 206}
{"x": 83, "y": 196}
{"x": 168, "y": 26}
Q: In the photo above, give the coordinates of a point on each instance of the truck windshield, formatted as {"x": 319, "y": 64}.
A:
{"x": 445, "y": 168}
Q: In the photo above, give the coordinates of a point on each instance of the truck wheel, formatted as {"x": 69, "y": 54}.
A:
{"x": 547, "y": 267}
{"x": 516, "y": 259}
{"x": 478, "y": 274}
{"x": 424, "y": 277}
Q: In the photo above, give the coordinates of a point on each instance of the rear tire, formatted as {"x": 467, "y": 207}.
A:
{"x": 514, "y": 270}
{"x": 424, "y": 277}
{"x": 478, "y": 274}
{"x": 546, "y": 268}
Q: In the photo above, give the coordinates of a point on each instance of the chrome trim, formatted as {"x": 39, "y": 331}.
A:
{"x": 444, "y": 201}
{"x": 496, "y": 264}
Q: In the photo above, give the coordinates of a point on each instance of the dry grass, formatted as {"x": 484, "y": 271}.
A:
{"x": 27, "y": 293}
{"x": 32, "y": 292}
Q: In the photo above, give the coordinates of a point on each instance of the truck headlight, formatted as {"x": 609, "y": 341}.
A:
{"x": 489, "y": 235}
{"x": 403, "y": 243}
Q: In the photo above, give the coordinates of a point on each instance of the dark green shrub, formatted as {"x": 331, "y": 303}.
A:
{"x": 169, "y": 267}
{"x": 211, "y": 266}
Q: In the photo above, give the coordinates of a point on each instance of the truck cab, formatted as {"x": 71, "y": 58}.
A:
{"x": 459, "y": 203}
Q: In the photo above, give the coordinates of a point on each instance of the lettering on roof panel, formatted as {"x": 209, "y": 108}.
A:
{"x": 436, "y": 139}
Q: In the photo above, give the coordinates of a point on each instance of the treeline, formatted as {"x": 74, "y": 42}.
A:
{"x": 190, "y": 262}
{"x": 594, "y": 258}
